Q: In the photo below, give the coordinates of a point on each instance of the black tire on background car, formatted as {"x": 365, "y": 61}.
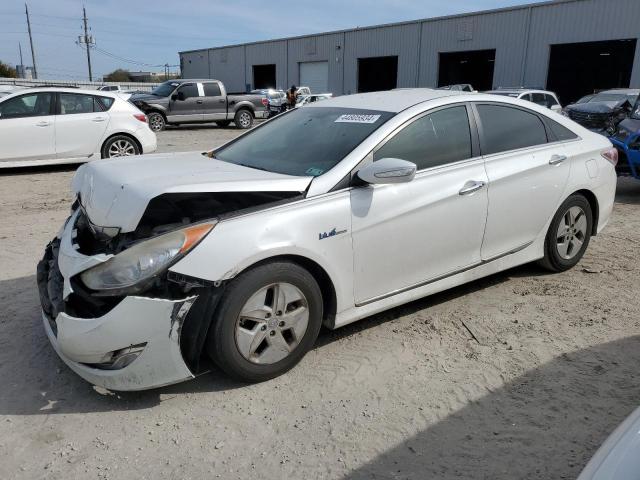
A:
{"x": 267, "y": 320}
{"x": 568, "y": 235}
{"x": 243, "y": 119}
{"x": 120, "y": 146}
{"x": 223, "y": 123}
{"x": 156, "y": 120}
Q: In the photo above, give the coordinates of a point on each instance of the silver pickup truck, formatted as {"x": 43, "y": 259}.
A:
{"x": 199, "y": 101}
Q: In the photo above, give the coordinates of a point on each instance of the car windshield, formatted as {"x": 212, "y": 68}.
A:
{"x": 304, "y": 142}
{"x": 614, "y": 97}
{"x": 164, "y": 89}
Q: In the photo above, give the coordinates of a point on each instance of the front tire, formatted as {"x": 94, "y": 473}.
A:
{"x": 120, "y": 146}
{"x": 568, "y": 235}
{"x": 267, "y": 320}
{"x": 243, "y": 119}
{"x": 156, "y": 120}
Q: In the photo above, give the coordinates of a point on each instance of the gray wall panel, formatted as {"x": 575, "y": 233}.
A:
{"x": 268, "y": 53}
{"x": 227, "y": 65}
{"x": 502, "y": 31}
{"x": 401, "y": 40}
{"x": 521, "y": 37}
{"x": 584, "y": 21}
{"x": 316, "y": 49}
{"x": 195, "y": 64}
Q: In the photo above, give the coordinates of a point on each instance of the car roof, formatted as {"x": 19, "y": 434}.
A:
{"x": 102, "y": 93}
{"x": 388, "y": 101}
{"x": 519, "y": 90}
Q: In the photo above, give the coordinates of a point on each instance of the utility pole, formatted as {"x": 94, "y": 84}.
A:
{"x": 20, "y": 49}
{"x": 87, "y": 41}
{"x": 33, "y": 55}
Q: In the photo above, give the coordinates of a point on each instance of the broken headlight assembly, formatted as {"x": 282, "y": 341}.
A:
{"x": 132, "y": 269}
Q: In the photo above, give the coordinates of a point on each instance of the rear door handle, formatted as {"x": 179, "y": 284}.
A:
{"x": 557, "y": 159}
{"x": 198, "y": 101}
{"x": 98, "y": 119}
{"x": 44, "y": 123}
{"x": 471, "y": 186}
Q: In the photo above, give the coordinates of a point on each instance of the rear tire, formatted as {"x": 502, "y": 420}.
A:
{"x": 156, "y": 120}
{"x": 243, "y": 119}
{"x": 120, "y": 146}
{"x": 568, "y": 235}
{"x": 223, "y": 123}
{"x": 267, "y": 320}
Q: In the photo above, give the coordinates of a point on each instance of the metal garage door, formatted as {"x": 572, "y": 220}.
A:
{"x": 315, "y": 75}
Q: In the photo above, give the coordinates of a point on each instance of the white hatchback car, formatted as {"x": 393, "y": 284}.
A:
{"x": 543, "y": 98}
{"x": 42, "y": 126}
{"x": 243, "y": 253}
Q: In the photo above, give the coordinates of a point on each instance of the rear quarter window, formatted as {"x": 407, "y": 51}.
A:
{"x": 103, "y": 103}
{"x": 561, "y": 133}
{"x": 506, "y": 128}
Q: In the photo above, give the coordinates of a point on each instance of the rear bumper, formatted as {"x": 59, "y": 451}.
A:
{"x": 261, "y": 114}
{"x": 147, "y": 139}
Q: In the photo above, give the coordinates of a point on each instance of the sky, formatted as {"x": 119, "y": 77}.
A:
{"x": 142, "y": 35}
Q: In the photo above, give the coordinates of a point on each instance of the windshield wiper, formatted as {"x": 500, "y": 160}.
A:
{"x": 251, "y": 166}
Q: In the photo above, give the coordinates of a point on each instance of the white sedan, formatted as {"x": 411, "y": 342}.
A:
{"x": 242, "y": 254}
{"x": 42, "y": 126}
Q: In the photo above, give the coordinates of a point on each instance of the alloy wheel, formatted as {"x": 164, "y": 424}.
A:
{"x": 572, "y": 233}
{"x": 122, "y": 148}
{"x": 272, "y": 323}
{"x": 156, "y": 122}
{"x": 245, "y": 119}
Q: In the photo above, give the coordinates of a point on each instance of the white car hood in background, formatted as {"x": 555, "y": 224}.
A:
{"x": 116, "y": 192}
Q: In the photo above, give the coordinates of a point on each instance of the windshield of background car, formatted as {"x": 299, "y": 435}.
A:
{"x": 304, "y": 142}
{"x": 164, "y": 89}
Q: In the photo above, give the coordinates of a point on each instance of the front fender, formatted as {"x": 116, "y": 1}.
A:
{"x": 317, "y": 229}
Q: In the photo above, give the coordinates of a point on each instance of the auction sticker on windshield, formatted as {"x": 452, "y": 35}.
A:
{"x": 357, "y": 118}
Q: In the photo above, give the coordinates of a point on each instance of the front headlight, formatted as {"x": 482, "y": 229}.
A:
{"x": 144, "y": 260}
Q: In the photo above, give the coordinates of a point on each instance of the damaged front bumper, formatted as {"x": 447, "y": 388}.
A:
{"x": 128, "y": 343}
{"x": 92, "y": 346}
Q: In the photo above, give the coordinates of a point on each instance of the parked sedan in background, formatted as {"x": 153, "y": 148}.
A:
{"x": 312, "y": 98}
{"x": 603, "y": 112}
{"x": 543, "y": 98}
{"x": 242, "y": 254}
{"x": 42, "y": 126}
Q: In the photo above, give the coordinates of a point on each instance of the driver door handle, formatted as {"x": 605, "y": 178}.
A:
{"x": 198, "y": 101}
{"x": 98, "y": 119}
{"x": 43, "y": 123}
{"x": 471, "y": 186}
{"x": 557, "y": 159}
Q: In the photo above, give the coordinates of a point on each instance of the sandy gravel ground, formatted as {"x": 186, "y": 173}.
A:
{"x": 407, "y": 394}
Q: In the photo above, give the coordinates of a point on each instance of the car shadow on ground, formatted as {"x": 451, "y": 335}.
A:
{"x": 38, "y": 382}
{"x": 579, "y": 397}
{"x": 628, "y": 191}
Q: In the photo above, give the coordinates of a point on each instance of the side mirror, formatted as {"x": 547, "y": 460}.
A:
{"x": 388, "y": 170}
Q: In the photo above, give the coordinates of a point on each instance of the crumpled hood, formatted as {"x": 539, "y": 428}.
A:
{"x": 597, "y": 107}
{"x": 116, "y": 192}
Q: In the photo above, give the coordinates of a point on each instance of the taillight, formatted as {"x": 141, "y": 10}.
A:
{"x": 140, "y": 116}
{"x": 611, "y": 154}
{"x": 265, "y": 102}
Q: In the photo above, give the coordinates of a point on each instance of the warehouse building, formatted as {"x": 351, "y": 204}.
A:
{"x": 572, "y": 47}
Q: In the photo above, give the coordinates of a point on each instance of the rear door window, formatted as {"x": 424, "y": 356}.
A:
{"x": 211, "y": 90}
{"x": 551, "y": 101}
{"x": 436, "y": 139}
{"x": 75, "y": 103}
{"x": 506, "y": 128}
{"x": 540, "y": 99}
